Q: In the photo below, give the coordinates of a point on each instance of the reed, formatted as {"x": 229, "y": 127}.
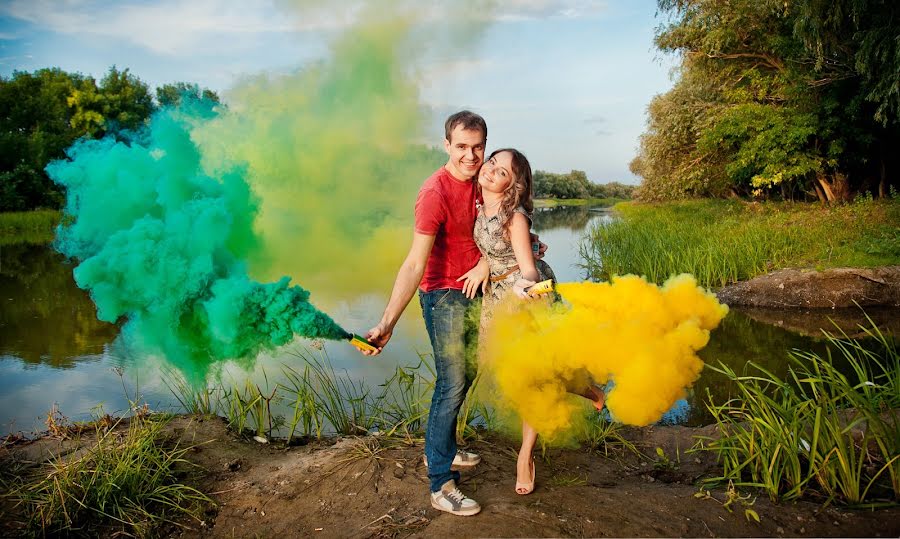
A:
{"x": 197, "y": 401}
{"x": 124, "y": 484}
{"x": 475, "y": 413}
{"x": 305, "y": 412}
{"x": 402, "y": 406}
{"x": 344, "y": 403}
{"x": 720, "y": 242}
{"x": 249, "y": 407}
{"x": 818, "y": 432}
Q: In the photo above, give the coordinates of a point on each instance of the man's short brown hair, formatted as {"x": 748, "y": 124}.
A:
{"x": 468, "y": 120}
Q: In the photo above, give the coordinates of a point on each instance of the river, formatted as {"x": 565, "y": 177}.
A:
{"x": 54, "y": 351}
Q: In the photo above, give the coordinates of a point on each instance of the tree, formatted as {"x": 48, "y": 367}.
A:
{"x": 774, "y": 98}
{"x": 43, "y": 113}
{"x": 171, "y": 95}
{"x": 125, "y": 100}
{"x": 35, "y": 127}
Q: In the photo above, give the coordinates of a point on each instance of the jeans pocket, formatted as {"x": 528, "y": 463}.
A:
{"x": 441, "y": 299}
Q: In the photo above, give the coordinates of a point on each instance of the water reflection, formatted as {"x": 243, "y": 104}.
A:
{"x": 46, "y": 318}
{"x": 573, "y": 218}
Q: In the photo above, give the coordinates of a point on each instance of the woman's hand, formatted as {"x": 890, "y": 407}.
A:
{"x": 479, "y": 276}
{"x": 519, "y": 288}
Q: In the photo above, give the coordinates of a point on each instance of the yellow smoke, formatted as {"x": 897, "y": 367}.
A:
{"x": 642, "y": 337}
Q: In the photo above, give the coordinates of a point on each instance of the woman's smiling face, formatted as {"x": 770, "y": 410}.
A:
{"x": 496, "y": 173}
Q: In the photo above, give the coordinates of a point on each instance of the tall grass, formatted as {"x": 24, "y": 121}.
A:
{"x": 403, "y": 402}
{"x": 344, "y": 403}
{"x": 320, "y": 400}
{"x": 125, "y": 483}
{"x": 726, "y": 241}
{"x": 817, "y": 432}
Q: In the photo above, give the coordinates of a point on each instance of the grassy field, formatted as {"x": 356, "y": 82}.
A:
{"x": 726, "y": 241}
{"x": 28, "y": 226}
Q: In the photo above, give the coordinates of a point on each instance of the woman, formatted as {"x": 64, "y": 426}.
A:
{"x": 502, "y": 233}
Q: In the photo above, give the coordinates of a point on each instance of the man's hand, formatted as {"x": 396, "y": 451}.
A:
{"x": 541, "y": 249}
{"x": 479, "y": 276}
{"x": 379, "y": 337}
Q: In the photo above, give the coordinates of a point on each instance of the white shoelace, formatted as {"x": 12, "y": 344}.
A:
{"x": 456, "y": 495}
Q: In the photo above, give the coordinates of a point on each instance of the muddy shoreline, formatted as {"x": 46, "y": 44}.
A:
{"x": 377, "y": 487}
{"x": 839, "y": 288}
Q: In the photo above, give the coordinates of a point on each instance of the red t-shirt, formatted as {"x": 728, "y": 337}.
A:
{"x": 445, "y": 209}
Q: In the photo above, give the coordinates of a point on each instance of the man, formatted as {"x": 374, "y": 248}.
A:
{"x": 445, "y": 265}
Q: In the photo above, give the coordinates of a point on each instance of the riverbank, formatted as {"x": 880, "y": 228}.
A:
{"x": 377, "y": 487}
{"x": 722, "y": 242}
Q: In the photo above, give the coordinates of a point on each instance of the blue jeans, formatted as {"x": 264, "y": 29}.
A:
{"x": 453, "y": 338}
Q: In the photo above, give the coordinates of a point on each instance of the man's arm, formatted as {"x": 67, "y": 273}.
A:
{"x": 408, "y": 278}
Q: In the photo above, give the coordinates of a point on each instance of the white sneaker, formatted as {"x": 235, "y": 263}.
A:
{"x": 451, "y": 500}
{"x": 463, "y": 459}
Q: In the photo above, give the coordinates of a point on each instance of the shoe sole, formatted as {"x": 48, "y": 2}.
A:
{"x": 460, "y": 467}
{"x": 466, "y": 513}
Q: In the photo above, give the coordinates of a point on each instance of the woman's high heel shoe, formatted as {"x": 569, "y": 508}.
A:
{"x": 526, "y": 488}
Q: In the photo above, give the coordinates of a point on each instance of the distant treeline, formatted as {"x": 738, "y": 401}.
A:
{"x": 776, "y": 99}
{"x": 43, "y": 113}
{"x": 576, "y": 185}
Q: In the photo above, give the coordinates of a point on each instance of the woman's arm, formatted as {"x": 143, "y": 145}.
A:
{"x": 520, "y": 238}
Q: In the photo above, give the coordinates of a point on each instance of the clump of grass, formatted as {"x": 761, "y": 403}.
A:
{"x": 403, "y": 402}
{"x": 250, "y": 402}
{"x": 475, "y": 413}
{"x": 125, "y": 483}
{"x": 341, "y": 401}
{"x": 568, "y": 479}
{"x": 720, "y": 242}
{"x": 196, "y": 401}
{"x": 305, "y": 411}
{"x": 818, "y": 432}
{"x": 602, "y": 434}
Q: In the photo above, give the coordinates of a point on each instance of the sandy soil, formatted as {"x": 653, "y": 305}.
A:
{"x": 366, "y": 487}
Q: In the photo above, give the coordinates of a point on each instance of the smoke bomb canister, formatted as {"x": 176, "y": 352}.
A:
{"x": 538, "y": 289}
{"x": 361, "y": 343}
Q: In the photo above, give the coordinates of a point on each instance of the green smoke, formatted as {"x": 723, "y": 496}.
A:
{"x": 163, "y": 246}
{"x": 311, "y": 174}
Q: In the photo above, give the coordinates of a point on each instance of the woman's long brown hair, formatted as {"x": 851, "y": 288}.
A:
{"x": 519, "y": 191}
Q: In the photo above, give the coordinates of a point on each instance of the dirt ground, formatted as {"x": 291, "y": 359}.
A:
{"x": 367, "y": 487}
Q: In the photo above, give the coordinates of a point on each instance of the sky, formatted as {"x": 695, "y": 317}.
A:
{"x": 565, "y": 81}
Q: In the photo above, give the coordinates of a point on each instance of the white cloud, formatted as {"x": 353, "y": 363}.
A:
{"x": 167, "y": 27}
{"x": 547, "y": 9}
{"x": 175, "y": 27}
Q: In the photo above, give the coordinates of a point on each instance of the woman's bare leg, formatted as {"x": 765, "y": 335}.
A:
{"x": 523, "y": 463}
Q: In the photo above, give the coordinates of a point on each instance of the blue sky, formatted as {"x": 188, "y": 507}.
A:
{"x": 566, "y": 81}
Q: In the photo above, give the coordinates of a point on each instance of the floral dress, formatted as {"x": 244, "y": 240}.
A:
{"x": 502, "y": 261}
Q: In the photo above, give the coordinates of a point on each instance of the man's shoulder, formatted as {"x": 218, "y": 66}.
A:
{"x": 436, "y": 181}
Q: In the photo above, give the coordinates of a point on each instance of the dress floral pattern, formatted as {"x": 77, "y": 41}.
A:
{"x": 501, "y": 259}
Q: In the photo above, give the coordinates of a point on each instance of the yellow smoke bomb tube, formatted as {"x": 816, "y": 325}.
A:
{"x": 361, "y": 343}
{"x": 541, "y": 288}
